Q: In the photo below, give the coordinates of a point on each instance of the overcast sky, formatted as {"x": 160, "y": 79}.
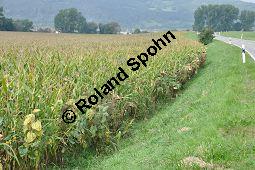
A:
{"x": 249, "y": 1}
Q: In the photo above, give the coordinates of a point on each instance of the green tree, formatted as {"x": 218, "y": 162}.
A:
{"x": 70, "y": 21}
{"x": 91, "y": 28}
{"x": 45, "y": 30}
{"x": 247, "y": 19}
{"x": 110, "y": 28}
{"x": 1, "y": 12}
{"x": 1, "y": 19}
{"x": 217, "y": 17}
{"x": 137, "y": 31}
{"x": 23, "y": 25}
{"x": 200, "y": 18}
{"x": 8, "y": 25}
{"x": 237, "y": 26}
{"x": 227, "y": 15}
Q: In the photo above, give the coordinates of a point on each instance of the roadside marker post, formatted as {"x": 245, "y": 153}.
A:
{"x": 243, "y": 53}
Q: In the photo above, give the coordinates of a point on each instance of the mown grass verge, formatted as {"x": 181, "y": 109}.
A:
{"x": 211, "y": 124}
{"x": 238, "y": 34}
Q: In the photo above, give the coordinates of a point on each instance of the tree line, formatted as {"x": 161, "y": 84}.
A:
{"x": 66, "y": 21}
{"x": 8, "y": 24}
{"x": 223, "y": 18}
{"x": 72, "y": 21}
{"x": 216, "y": 17}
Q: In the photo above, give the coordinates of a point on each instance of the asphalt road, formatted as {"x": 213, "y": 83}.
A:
{"x": 249, "y": 45}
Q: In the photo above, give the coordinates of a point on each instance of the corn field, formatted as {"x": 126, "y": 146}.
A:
{"x": 41, "y": 75}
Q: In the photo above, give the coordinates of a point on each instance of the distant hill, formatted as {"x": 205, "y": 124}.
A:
{"x": 149, "y": 14}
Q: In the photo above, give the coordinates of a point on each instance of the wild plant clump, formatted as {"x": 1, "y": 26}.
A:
{"x": 206, "y": 36}
{"x": 42, "y": 75}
